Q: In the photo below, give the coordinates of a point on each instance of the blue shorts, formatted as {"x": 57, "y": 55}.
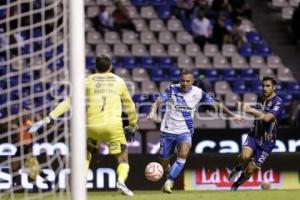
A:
{"x": 169, "y": 141}
{"x": 261, "y": 151}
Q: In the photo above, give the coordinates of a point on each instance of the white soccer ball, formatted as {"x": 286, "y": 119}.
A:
{"x": 154, "y": 171}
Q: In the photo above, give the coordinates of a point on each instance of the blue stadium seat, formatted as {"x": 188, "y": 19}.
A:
{"x": 37, "y": 46}
{"x": 90, "y": 62}
{"x": 229, "y": 74}
{"x": 26, "y": 104}
{"x": 166, "y": 62}
{"x": 239, "y": 87}
{"x": 157, "y": 75}
{"x": 37, "y": 33}
{"x": 3, "y": 113}
{"x": 2, "y": 13}
{"x": 253, "y": 36}
{"x": 144, "y": 108}
{"x": 3, "y": 84}
{"x": 26, "y": 49}
{"x": 60, "y": 49}
{"x": 25, "y": 35}
{"x": 38, "y": 88}
{"x": 171, "y": 2}
{"x": 174, "y": 75}
{"x": 279, "y": 88}
{"x": 287, "y": 98}
{"x": 3, "y": 99}
{"x": 157, "y": 2}
{"x": 26, "y": 77}
{"x": 115, "y": 61}
{"x": 14, "y": 109}
{"x": 57, "y": 64}
{"x": 14, "y": 81}
{"x": 25, "y": 91}
{"x": 148, "y": 62}
{"x": 140, "y": 2}
{"x": 246, "y": 50}
{"x": 129, "y": 62}
{"x": 262, "y": 49}
{"x": 212, "y": 74}
{"x": 256, "y": 87}
{"x": 294, "y": 89}
{"x": 14, "y": 95}
{"x": 3, "y": 70}
{"x": 38, "y": 101}
{"x": 164, "y": 12}
{"x": 248, "y": 74}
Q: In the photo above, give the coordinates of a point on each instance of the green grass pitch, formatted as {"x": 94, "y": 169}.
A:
{"x": 188, "y": 195}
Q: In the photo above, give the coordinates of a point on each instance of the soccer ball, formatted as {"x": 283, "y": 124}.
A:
{"x": 265, "y": 185}
{"x": 154, "y": 171}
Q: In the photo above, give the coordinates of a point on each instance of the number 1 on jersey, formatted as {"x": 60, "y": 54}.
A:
{"x": 103, "y": 103}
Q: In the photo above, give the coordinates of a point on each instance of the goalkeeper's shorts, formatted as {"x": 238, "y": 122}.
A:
{"x": 112, "y": 134}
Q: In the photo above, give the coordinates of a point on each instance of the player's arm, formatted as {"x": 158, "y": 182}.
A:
{"x": 264, "y": 116}
{"x": 60, "y": 109}
{"x": 224, "y": 109}
{"x": 129, "y": 106}
{"x": 154, "y": 107}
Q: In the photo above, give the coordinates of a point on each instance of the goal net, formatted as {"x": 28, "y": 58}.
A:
{"x": 34, "y": 73}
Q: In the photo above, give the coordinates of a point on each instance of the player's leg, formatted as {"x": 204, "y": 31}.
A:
{"x": 183, "y": 149}
{"x": 117, "y": 145}
{"x": 166, "y": 148}
{"x": 243, "y": 158}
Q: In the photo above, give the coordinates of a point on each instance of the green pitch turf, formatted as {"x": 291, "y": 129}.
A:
{"x": 187, "y": 195}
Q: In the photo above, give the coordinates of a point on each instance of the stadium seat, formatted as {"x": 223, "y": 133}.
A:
{"x": 246, "y": 50}
{"x": 139, "y": 75}
{"x": 287, "y": 13}
{"x": 164, "y": 85}
{"x": 123, "y": 73}
{"x": 165, "y": 12}
{"x": 265, "y": 72}
{"x": 192, "y": 50}
{"x": 167, "y": 62}
{"x": 262, "y": 49}
{"x": 90, "y": 62}
{"x": 166, "y": 37}
{"x": 148, "y": 62}
{"x": 184, "y": 37}
{"x": 140, "y": 2}
{"x": 238, "y": 62}
{"x": 239, "y": 87}
{"x": 220, "y": 62}
{"x": 139, "y": 50}
{"x": 140, "y": 25}
{"x": 228, "y": 50}
{"x": 157, "y": 75}
{"x": 202, "y": 62}
{"x": 294, "y": 88}
{"x": 222, "y": 87}
{"x": 92, "y": 11}
{"x": 129, "y": 37}
{"x": 175, "y": 50}
{"x": 111, "y": 37}
{"x": 133, "y": 13}
{"x": 253, "y": 36}
{"x": 26, "y": 77}
{"x": 184, "y": 61}
{"x": 256, "y": 87}
{"x": 174, "y": 75}
{"x": 3, "y": 113}
{"x": 129, "y": 62}
{"x": 229, "y": 74}
{"x": 93, "y": 37}
{"x": 148, "y": 12}
{"x": 212, "y": 74}
{"x": 174, "y": 25}
{"x": 3, "y": 98}
{"x": 230, "y": 99}
{"x": 147, "y": 37}
{"x": 211, "y": 50}
{"x": 157, "y": 50}
{"x": 121, "y": 50}
{"x": 284, "y": 74}
{"x": 149, "y": 87}
{"x": 103, "y": 49}
{"x": 274, "y": 62}
{"x": 157, "y": 25}
{"x": 14, "y": 109}
{"x": 248, "y": 74}
{"x": 133, "y": 87}
{"x": 250, "y": 98}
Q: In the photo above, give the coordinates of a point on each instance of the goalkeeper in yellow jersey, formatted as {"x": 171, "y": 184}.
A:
{"x": 106, "y": 93}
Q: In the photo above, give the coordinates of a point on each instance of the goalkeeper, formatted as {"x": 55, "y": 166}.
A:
{"x": 105, "y": 95}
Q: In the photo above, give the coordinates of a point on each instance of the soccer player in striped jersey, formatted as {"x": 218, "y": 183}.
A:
{"x": 177, "y": 125}
{"x": 262, "y": 136}
{"x": 105, "y": 95}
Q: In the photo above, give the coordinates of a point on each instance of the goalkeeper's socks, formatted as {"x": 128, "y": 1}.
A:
{"x": 176, "y": 168}
{"x": 122, "y": 172}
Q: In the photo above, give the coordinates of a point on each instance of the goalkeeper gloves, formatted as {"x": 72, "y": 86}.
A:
{"x": 36, "y": 126}
{"x": 130, "y": 132}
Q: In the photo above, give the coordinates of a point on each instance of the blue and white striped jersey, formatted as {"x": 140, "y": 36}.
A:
{"x": 180, "y": 108}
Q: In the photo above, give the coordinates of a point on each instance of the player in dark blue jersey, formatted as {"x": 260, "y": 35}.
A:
{"x": 262, "y": 136}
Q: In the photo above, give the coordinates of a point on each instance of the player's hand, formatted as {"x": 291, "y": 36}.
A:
{"x": 130, "y": 132}
{"x": 36, "y": 126}
{"x": 238, "y": 119}
{"x": 152, "y": 116}
{"x": 242, "y": 106}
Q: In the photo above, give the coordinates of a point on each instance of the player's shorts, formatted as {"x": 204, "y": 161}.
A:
{"x": 168, "y": 143}
{"x": 112, "y": 134}
{"x": 260, "y": 151}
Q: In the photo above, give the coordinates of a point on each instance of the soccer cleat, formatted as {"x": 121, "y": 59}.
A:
{"x": 233, "y": 174}
{"x": 167, "y": 188}
{"x": 124, "y": 189}
{"x": 234, "y": 187}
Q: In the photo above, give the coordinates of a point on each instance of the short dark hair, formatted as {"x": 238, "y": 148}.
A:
{"x": 270, "y": 78}
{"x": 186, "y": 72}
{"x": 103, "y": 62}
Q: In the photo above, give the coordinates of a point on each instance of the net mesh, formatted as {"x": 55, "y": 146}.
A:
{"x": 34, "y": 78}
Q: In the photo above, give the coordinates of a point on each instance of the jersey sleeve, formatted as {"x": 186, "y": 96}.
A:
{"x": 128, "y": 104}
{"x": 166, "y": 95}
{"x": 276, "y": 108}
{"x": 206, "y": 99}
{"x": 61, "y": 108}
